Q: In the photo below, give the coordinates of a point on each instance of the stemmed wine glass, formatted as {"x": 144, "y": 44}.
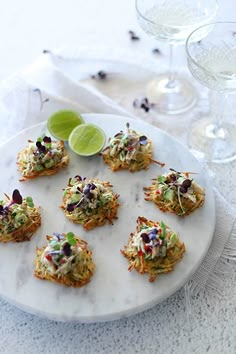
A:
{"x": 212, "y": 61}
{"x": 171, "y": 21}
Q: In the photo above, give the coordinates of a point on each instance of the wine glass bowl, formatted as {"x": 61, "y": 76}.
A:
{"x": 171, "y": 21}
{"x": 212, "y": 61}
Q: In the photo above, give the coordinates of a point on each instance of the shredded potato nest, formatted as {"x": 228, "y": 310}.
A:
{"x": 131, "y": 151}
{"x": 85, "y": 267}
{"x": 28, "y": 170}
{"x": 103, "y": 210}
{"x": 168, "y": 195}
{"x": 143, "y": 262}
{"x": 24, "y": 231}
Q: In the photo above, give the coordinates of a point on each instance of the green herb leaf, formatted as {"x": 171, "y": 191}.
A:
{"x": 71, "y": 238}
{"x": 163, "y": 228}
{"x": 29, "y": 202}
{"x": 173, "y": 239}
{"x": 161, "y": 179}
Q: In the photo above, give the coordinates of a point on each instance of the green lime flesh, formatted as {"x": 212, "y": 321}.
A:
{"x": 62, "y": 123}
{"x": 87, "y": 139}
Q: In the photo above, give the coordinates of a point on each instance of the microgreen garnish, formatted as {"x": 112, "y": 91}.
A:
{"x": 59, "y": 236}
{"x": 144, "y": 104}
{"x": 185, "y": 185}
{"x": 29, "y": 202}
{"x": 16, "y": 197}
{"x": 86, "y": 195}
{"x": 3, "y": 210}
{"x": 143, "y": 140}
{"x": 133, "y": 36}
{"x": 67, "y": 249}
{"x": 43, "y": 144}
{"x": 41, "y": 148}
{"x": 161, "y": 179}
{"x": 180, "y": 203}
{"x": 70, "y": 206}
{"x": 100, "y": 75}
{"x": 79, "y": 178}
{"x": 42, "y": 100}
{"x": 163, "y": 228}
{"x": 156, "y": 51}
{"x": 145, "y": 237}
{"x": 47, "y": 139}
{"x": 71, "y": 238}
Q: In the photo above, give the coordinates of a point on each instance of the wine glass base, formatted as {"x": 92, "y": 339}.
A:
{"x": 171, "y": 97}
{"x": 211, "y": 143}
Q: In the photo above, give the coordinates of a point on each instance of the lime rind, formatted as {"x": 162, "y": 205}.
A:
{"x": 87, "y": 139}
{"x": 61, "y": 123}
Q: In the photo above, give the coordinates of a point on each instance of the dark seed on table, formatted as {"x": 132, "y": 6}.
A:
{"x": 101, "y": 75}
{"x": 145, "y": 107}
{"x": 143, "y": 103}
{"x": 133, "y": 36}
{"x": 156, "y": 51}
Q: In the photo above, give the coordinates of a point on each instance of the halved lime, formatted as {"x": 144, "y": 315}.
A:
{"x": 87, "y": 139}
{"x": 61, "y": 123}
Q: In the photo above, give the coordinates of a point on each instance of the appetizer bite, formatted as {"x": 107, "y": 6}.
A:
{"x": 65, "y": 260}
{"x": 130, "y": 150}
{"x": 89, "y": 202}
{"x": 42, "y": 158}
{"x": 176, "y": 192}
{"x": 153, "y": 248}
{"x": 19, "y": 218}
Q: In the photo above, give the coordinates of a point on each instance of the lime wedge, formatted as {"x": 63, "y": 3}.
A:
{"x": 61, "y": 123}
{"x": 87, "y": 139}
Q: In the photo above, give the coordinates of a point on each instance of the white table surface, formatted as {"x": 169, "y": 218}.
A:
{"x": 26, "y": 29}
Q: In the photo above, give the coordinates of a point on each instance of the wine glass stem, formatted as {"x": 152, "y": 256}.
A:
{"x": 171, "y": 76}
{"x": 219, "y": 101}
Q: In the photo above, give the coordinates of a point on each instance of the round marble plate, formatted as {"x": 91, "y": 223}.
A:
{"x": 113, "y": 292}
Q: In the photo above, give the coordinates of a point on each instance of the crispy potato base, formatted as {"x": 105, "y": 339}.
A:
{"x": 143, "y": 160}
{"x": 100, "y": 216}
{"x": 166, "y": 205}
{"x": 47, "y": 171}
{"x": 25, "y": 232}
{"x": 41, "y": 272}
{"x": 158, "y": 265}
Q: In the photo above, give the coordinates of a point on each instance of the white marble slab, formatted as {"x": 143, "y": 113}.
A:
{"x": 113, "y": 291}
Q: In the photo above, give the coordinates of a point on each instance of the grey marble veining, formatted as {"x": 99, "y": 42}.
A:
{"x": 113, "y": 291}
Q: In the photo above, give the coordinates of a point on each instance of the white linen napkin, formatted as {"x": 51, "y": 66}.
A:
{"x": 19, "y": 95}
